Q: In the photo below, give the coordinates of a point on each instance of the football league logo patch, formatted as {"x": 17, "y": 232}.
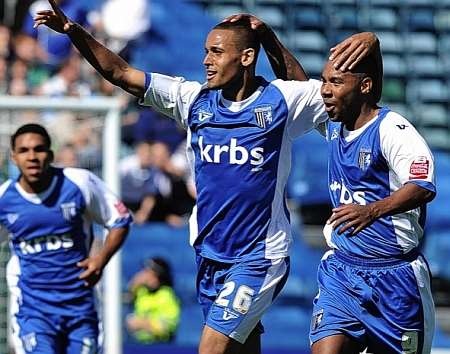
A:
{"x": 365, "y": 158}
{"x": 419, "y": 168}
{"x": 204, "y": 115}
{"x": 263, "y": 116}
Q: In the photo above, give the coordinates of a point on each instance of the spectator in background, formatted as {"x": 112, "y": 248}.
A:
{"x": 156, "y": 307}
{"x": 52, "y": 47}
{"x": 66, "y": 156}
{"x": 5, "y": 41}
{"x": 66, "y": 82}
{"x": 4, "y": 82}
{"x": 152, "y": 187}
{"x": 18, "y": 85}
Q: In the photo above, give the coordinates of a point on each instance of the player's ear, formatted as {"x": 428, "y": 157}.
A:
{"x": 366, "y": 85}
{"x": 248, "y": 57}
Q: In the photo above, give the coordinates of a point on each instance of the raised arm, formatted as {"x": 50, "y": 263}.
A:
{"x": 111, "y": 66}
{"x": 284, "y": 65}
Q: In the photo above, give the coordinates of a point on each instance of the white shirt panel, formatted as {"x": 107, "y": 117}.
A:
{"x": 102, "y": 205}
{"x": 305, "y": 105}
{"x": 172, "y": 96}
{"x": 405, "y": 150}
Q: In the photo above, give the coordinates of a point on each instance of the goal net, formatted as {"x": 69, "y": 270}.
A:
{"x": 85, "y": 133}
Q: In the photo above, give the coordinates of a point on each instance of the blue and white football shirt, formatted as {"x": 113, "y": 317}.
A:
{"x": 240, "y": 155}
{"x": 50, "y": 232}
{"x": 369, "y": 164}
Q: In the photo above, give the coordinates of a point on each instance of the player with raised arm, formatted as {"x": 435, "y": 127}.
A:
{"x": 240, "y": 131}
{"x": 48, "y": 214}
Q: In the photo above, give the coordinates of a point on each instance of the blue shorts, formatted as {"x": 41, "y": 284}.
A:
{"x": 386, "y": 306}
{"x": 51, "y": 334}
{"x": 234, "y": 296}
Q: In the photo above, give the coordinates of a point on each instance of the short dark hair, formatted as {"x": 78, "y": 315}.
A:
{"x": 162, "y": 269}
{"x": 372, "y": 67}
{"x": 31, "y": 128}
{"x": 247, "y": 37}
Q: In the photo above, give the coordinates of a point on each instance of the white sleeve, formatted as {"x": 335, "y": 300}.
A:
{"x": 306, "y": 109}
{"x": 406, "y": 152}
{"x": 102, "y": 205}
{"x": 171, "y": 96}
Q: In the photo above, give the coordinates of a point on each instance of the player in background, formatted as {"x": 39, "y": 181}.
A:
{"x": 240, "y": 131}
{"x": 48, "y": 214}
{"x": 374, "y": 285}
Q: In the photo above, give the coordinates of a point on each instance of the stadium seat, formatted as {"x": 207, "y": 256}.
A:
{"x": 344, "y": 18}
{"x": 391, "y": 42}
{"x": 427, "y": 90}
{"x": 307, "y": 183}
{"x": 222, "y": 11}
{"x": 286, "y": 327}
{"x": 442, "y": 20}
{"x": 305, "y": 41}
{"x": 393, "y": 90}
{"x": 383, "y": 19}
{"x": 444, "y": 43}
{"x": 429, "y": 66}
{"x": 419, "y": 42}
{"x": 436, "y": 250}
{"x": 310, "y": 18}
{"x": 438, "y": 138}
{"x": 272, "y": 15}
{"x": 433, "y": 115}
{"x": 394, "y": 65}
{"x": 421, "y": 20}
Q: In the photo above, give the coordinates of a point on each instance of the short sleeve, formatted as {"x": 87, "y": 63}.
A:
{"x": 406, "y": 152}
{"x": 305, "y": 105}
{"x": 172, "y": 96}
{"x": 102, "y": 205}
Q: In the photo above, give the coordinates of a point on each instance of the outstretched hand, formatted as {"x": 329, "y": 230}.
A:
{"x": 347, "y": 54}
{"x": 255, "y": 23}
{"x": 56, "y": 19}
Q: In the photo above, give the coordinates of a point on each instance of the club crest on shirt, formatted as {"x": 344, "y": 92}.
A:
{"x": 12, "y": 218}
{"x": 69, "y": 210}
{"x": 263, "y": 116}
{"x": 204, "y": 115}
{"x": 365, "y": 158}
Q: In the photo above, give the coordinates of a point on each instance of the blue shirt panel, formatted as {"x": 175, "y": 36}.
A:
{"x": 358, "y": 173}
{"x": 49, "y": 240}
{"x": 234, "y": 200}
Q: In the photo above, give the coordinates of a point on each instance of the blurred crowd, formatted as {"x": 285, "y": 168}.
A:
{"x": 155, "y": 178}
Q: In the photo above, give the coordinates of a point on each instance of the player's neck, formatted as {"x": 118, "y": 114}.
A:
{"x": 38, "y": 186}
{"x": 366, "y": 114}
{"x": 249, "y": 84}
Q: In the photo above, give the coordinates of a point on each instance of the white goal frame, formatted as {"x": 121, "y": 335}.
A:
{"x": 112, "y": 307}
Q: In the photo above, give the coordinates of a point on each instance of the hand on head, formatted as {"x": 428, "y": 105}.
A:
{"x": 255, "y": 23}
{"x": 347, "y": 54}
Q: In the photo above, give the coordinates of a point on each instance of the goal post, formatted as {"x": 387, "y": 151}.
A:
{"x": 110, "y": 106}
